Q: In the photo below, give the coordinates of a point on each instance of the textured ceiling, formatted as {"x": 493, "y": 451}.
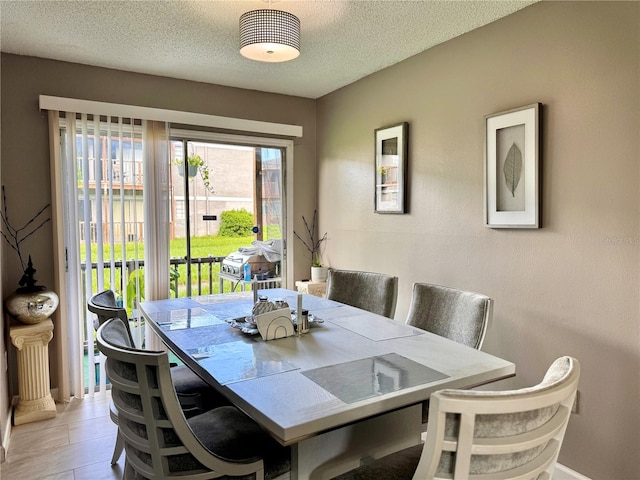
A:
{"x": 342, "y": 41}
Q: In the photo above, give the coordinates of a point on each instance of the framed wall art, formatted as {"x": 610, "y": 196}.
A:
{"x": 512, "y": 168}
{"x": 391, "y": 168}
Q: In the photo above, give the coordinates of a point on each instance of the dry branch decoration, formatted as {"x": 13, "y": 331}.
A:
{"x": 16, "y": 236}
{"x": 512, "y": 168}
{"x": 314, "y": 244}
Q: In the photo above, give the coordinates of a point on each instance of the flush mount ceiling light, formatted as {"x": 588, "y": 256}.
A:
{"x": 268, "y": 35}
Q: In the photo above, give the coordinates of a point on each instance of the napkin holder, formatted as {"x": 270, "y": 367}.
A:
{"x": 275, "y": 324}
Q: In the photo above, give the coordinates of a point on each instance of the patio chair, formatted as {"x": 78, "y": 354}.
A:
{"x": 160, "y": 442}
{"x": 493, "y": 435}
{"x": 374, "y": 292}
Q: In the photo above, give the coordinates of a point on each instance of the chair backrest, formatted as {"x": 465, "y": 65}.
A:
{"x": 503, "y": 435}
{"x": 104, "y": 305}
{"x": 374, "y": 292}
{"x": 158, "y": 440}
{"x": 459, "y": 315}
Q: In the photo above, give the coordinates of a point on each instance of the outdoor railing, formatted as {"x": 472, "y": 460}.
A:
{"x": 204, "y": 273}
{"x": 206, "y": 262}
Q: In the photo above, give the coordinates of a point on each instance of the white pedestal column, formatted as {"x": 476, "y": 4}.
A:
{"x": 32, "y": 343}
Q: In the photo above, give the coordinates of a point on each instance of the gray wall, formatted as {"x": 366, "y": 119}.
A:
{"x": 569, "y": 288}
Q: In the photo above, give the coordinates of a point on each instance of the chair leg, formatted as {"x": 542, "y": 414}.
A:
{"x": 117, "y": 451}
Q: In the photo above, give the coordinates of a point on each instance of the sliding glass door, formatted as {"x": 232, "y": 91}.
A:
{"x": 224, "y": 197}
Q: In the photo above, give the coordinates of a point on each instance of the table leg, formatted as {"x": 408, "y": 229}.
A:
{"x": 325, "y": 456}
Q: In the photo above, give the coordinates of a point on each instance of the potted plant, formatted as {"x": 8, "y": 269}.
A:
{"x": 313, "y": 244}
{"x": 195, "y": 165}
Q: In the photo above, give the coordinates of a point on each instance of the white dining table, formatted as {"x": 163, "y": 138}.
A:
{"x": 347, "y": 391}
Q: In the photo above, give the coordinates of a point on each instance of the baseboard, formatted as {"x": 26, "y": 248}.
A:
{"x": 6, "y": 437}
{"x": 565, "y": 473}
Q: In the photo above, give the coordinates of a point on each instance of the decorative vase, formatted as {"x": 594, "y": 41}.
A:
{"x": 31, "y": 307}
{"x": 31, "y": 303}
{"x": 319, "y": 274}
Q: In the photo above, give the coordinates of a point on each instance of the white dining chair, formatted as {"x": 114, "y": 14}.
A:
{"x": 497, "y": 435}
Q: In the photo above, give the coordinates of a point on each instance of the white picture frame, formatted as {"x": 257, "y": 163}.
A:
{"x": 512, "y": 151}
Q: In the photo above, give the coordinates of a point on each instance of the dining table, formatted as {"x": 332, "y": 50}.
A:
{"x": 349, "y": 390}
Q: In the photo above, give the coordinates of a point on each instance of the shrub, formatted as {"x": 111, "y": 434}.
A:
{"x": 236, "y": 223}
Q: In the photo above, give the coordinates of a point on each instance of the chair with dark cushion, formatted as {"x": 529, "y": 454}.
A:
{"x": 458, "y": 315}
{"x": 160, "y": 442}
{"x": 374, "y": 292}
{"x": 195, "y": 395}
{"x": 483, "y": 434}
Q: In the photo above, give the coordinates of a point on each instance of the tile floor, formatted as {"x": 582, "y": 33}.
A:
{"x": 75, "y": 445}
{"x": 78, "y": 445}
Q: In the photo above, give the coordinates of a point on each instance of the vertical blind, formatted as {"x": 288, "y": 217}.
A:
{"x": 116, "y": 193}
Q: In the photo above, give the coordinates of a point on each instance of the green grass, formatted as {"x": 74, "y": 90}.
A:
{"x": 206, "y": 246}
{"x": 200, "y": 247}
{"x": 212, "y": 245}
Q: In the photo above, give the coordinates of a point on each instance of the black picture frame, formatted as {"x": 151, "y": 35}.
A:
{"x": 390, "y": 171}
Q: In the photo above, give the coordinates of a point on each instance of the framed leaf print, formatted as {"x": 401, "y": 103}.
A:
{"x": 512, "y": 168}
{"x": 391, "y": 169}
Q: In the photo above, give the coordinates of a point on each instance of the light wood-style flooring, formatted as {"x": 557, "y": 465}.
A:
{"x": 75, "y": 445}
{"x": 78, "y": 445}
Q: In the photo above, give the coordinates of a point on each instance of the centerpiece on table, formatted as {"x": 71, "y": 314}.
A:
{"x": 313, "y": 244}
{"x": 30, "y": 303}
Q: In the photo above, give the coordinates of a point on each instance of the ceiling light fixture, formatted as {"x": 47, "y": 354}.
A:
{"x": 268, "y": 35}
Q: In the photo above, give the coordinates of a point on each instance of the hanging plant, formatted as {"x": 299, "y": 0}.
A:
{"x": 195, "y": 165}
